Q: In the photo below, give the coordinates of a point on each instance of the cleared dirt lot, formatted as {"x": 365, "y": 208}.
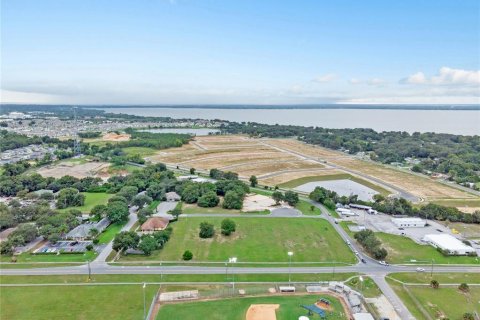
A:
{"x": 77, "y": 170}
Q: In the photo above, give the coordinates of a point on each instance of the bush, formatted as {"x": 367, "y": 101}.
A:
{"x": 89, "y": 247}
{"x": 232, "y": 200}
{"x": 206, "y": 230}
{"x": 228, "y": 226}
{"x": 187, "y": 255}
{"x": 208, "y": 200}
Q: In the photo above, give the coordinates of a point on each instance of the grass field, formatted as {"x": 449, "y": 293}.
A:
{"x": 115, "y": 169}
{"x": 109, "y": 233}
{"x": 193, "y": 209}
{"x": 35, "y": 258}
{"x": 298, "y": 182}
{"x": 75, "y": 302}
{"x": 306, "y": 208}
{"x": 445, "y": 302}
{"x": 402, "y": 250}
{"x": 234, "y": 309}
{"x": 152, "y": 278}
{"x": 91, "y": 200}
{"x": 424, "y": 277}
{"x": 367, "y": 287}
{"x": 256, "y": 240}
{"x": 142, "y": 151}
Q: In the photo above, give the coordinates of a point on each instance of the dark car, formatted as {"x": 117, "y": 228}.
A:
{"x": 363, "y": 260}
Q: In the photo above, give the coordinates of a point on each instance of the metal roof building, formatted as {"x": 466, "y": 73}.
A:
{"x": 449, "y": 244}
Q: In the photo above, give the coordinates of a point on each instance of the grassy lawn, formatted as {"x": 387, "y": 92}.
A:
{"x": 28, "y": 258}
{"x": 306, "y": 208}
{"x": 459, "y": 202}
{"x": 424, "y": 277}
{"x": 233, "y": 309}
{"x": 75, "y": 302}
{"x": 119, "y": 168}
{"x": 367, "y": 287}
{"x": 142, "y": 151}
{"x": 140, "y": 278}
{"x": 298, "y": 182}
{"x": 402, "y": 250}
{"x": 446, "y": 302}
{"x": 91, "y": 200}
{"x": 193, "y": 209}
{"x": 256, "y": 240}
{"x": 109, "y": 233}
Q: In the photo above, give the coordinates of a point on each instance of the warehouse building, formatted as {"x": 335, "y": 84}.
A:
{"x": 448, "y": 244}
{"x": 409, "y": 222}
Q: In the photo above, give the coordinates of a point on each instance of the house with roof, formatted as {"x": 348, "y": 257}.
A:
{"x": 83, "y": 231}
{"x": 154, "y": 224}
{"x": 172, "y": 196}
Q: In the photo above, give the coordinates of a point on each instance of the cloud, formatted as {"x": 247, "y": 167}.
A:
{"x": 370, "y": 82}
{"x": 325, "y": 78}
{"x": 446, "y": 77}
{"x": 354, "y": 81}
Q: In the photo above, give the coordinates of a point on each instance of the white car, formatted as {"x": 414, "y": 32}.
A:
{"x": 420, "y": 270}
{"x": 383, "y": 263}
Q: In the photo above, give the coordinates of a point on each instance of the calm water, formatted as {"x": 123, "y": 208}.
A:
{"x": 197, "y": 132}
{"x": 456, "y": 121}
{"x": 343, "y": 187}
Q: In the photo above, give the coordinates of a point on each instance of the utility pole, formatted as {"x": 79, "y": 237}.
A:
{"x": 290, "y": 254}
{"x": 89, "y": 271}
{"x": 76, "y": 142}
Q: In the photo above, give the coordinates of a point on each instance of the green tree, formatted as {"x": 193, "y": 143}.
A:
{"x": 141, "y": 200}
{"x": 187, "y": 255}
{"x": 208, "y": 200}
{"x": 253, "y": 181}
{"x": 468, "y": 316}
{"x": 147, "y": 245}
{"x": 207, "y": 230}
{"x": 291, "y": 198}
{"x": 464, "y": 287}
{"x": 232, "y": 200}
{"x": 278, "y": 197}
{"x": 191, "y": 193}
{"x": 434, "y": 284}
{"x": 117, "y": 212}
{"x": 125, "y": 240}
{"x": 192, "y": 170}
{"x": 228, "y": 226}
{"x": 99, "y": 211}
{"x": 128, "y": 192}
{"x": 70, "y": 197}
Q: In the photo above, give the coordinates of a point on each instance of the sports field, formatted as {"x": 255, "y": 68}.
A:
{"x": 91, "y": 200}
{"x": 236, "y": 309}
{"x": 256, "y": 240}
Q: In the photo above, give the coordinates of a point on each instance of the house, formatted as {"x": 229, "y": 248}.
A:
{"x": 83, "y": 231}
{"x": 154, "y": 224}
{"x": 172, "y": 196}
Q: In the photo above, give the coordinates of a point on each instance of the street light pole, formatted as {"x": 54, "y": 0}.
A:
{"x": 290, "y": 254}
{"x": 89, "y": 271}
{"x": 233, "y": 260}
{"x": 144, "y": 303}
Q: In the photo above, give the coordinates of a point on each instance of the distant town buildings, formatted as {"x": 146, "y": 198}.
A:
{"x": 31, "y": 152}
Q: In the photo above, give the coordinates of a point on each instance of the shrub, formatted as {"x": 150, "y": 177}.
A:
{"x": 206, "y": 230}
{"x": 228, "y": 226}
{"x": 187, "y": 255}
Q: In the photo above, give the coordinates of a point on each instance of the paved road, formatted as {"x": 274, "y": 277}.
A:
{"x": 132, "y": 218}
{"x": 402, "y": 193}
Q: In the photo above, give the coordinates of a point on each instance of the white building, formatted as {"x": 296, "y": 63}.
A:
{"x": 409, "y": 222}
{"x": 363, "y": 316}
{"x": 448, "y": 244}
{"x": 345, "y": 212}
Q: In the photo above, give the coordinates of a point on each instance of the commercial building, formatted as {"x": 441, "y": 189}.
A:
{"x": 448, "y": 244}
{"x": 83, "y": 231}
{"x": 409, "y": 222}
{"x": 346, "y": 212}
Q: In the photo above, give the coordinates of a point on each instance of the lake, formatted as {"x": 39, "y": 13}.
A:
{"x": 196, "y": 132}
{"x": 343, "y": 187}
{"x": 464, "y": 122}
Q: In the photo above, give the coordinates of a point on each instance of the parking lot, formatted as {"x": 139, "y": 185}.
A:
{"x": 64, "y": 246}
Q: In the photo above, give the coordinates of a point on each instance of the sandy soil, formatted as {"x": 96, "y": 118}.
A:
{"x": 112, "y": 136}
{"x": 89, "y": 169}
{"x": 259, "y": 169}
{"x": 288, "y": 176}
{"x": 258, "y": 202}
{"x": 262, "y": 312}
{"x": 384, "y": 307}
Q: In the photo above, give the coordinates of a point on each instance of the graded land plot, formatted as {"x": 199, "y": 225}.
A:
{"x": 229, "y": 158}
{"x": 75, "y": 169}
{"x": 261, "y": 168}
{"x": 75, "y": 302}
{"x": 446, "y": 302}
{"x": 423, "y": 187}
{"x": 284, "y": 177}
{"x": 255, "y": 240}
{"x": 464, "y": 205}
{"x": 91, "y": 200}
{"x": 289, "y": 307}
{"x": 467, "y": 230}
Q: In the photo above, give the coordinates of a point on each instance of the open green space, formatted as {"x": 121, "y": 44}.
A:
{"x": 366, "y": 286}
{"x": 459, "y": 202}
{"x": 27, "y": 257}
{"x": 298, "y": 182}
{"x": 75, "y": 302}
{"x": 194, "y": 209}
{"x": 446, "y": 302}
{"x": 109, "y": 233}
{"x": 91, "y": 200}
{"x": 255, "y": 240}
{"x": 155, "y": 278}
{"x": 124, "y": 167}
{"x": 404, "y": 250}
{"x": 306, "y": 208}
{"x": 425, "y": 278}
{"x": 236, "y": 308}
{"x": 142, "y": 151}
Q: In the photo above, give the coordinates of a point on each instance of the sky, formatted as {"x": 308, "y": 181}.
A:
{"x": 240, "y": 52}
